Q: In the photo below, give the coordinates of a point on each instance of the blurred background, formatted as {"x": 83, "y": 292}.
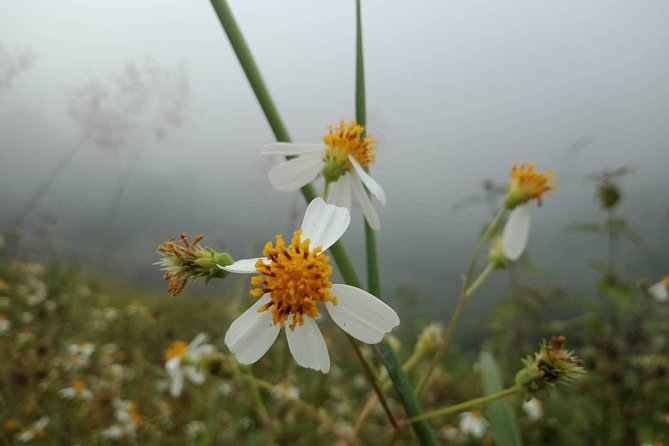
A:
{"x": 123, "y": 123}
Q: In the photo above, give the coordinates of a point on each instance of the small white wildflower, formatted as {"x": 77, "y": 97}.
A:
{"x": 182, "y": 360}
{"x": 36, "y": 431}
{"x": 660, "y": 290}
{"x": 474, "y": 424}
{"x": 78, "y": 390}
{"x": 534, "y": 409}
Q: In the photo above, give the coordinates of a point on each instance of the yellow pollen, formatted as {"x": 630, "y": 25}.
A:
{"x": 665, "y": 281}
{"x": 178, "y": 349}
{"x": 527, "y": 183}
{"x": 79, "y": 385}
{"x": 344, "y": 140}
{"x": 476, "y": 414}
{"x": 296, "y": 277}
{"x": 11, "y": 424}
{"x": 134, "y": 414}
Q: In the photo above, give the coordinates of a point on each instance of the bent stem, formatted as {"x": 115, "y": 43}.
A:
{"x": 459, "y": 407}
{"x": 337, "y": 250}
{"x": 371, "y": 376}
{"x": 465, "y": 293}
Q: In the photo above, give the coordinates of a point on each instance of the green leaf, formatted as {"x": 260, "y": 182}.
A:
{"x": 502, "y": 417}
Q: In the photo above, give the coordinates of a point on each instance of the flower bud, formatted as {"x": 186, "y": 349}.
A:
{"x": 187, "y": 261}
{"x": 552, "y": 364}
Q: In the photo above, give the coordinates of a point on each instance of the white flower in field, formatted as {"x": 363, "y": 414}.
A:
{"x": 36, "y": 431}
{"x": 286, "y": 390}
{"x": 525, "y": 184}
{"x": 474, "y": 424}
{"x": 79, "y": 355}
{"x": 534, "y": 409}
{"x": 78, "y": 390}
{"x": 127, "y": 419}
{"x": 27, "y": 317}
{"x": 292, "y": 280}
{"x": 195, "y": 429}
{"x": 660, "y": 290}
{"x": 183, "y": 360}
{"x": 341, "y": 158}
{"x": 5, "y": 324}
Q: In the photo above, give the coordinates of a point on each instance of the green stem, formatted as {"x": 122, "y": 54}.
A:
{"x": 326, "y": 190}
{"x": 467, "y": 404}
{"x": 306, "y": 407}
{"x": 480, "y": 279}
{"x": 371, "y": 376}
{"x": 260, "y": 406}
{"x": 399, "y": 378}
{"x": 464, "y": 296}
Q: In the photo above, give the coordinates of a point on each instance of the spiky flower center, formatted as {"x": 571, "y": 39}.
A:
{"x": 526, "y": 183}
{"x": 296, "y": 277}
{"x": 78, "y": 385}
{"x": 344, "y": 140}
{"x": 665, "y": 281}
{"x": 178, "y": 349}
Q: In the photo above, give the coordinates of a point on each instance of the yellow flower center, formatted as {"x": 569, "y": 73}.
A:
{"x": 476, "y": 414}
{"x": 526, "y": 183}
{"x": 296, "y": 277}
{"x": 178, "y": 349}
{"x": 343, "y": 141}
{"x": 665, "y": 280}
{"x": 79, "y": 385}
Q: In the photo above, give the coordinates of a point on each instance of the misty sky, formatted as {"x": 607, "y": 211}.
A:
{"x": 456, "y": 92}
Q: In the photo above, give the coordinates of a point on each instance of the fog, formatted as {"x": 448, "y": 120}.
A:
{"x": 456, "y": 92}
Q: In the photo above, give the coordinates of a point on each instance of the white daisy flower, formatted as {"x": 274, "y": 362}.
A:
{"x": 660, "y": 290}
{"x": 36, "y": 431}
{"x": 78, "y": 391}
{"x": 5, "y": 324}
{"x": 79, "y": 355}
{"x": 292, "y": 280}
{"x": 534, "y": 409}
{"x": 127, "y": 420}
{"x": 474, "y": 424}
{"x": 341, "y": 158}
{"x": 525, "y": 184}
{"x": 183, "y": 360}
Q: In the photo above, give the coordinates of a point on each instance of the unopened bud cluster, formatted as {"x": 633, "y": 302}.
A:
{"x": 552, "y": 364}
{"x": 184, "y": 261}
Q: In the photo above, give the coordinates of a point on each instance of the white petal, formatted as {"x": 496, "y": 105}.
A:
{"x": 307, "y": 345}
{"x": 176, "y": 376}
{"x": 244, "y": 266}
{"x": 659, "y": 292}
{"x": 516, "y": 231}
{"x": 360, "y": 314}
{"x": 340, "y": 192}
{"x": 288, "y": 149}
{"x": 365, "y": 203}
{"x": 252, "y": 334}
{"x": 374, "y": 188}
{"x": 197, "y": 341}
{"x": 295, "y": 173}
{"x": 194, "y": 375}
{"x": 324, "y": 224}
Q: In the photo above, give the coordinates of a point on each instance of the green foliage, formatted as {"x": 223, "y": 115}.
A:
{"x": 502, "y": 417}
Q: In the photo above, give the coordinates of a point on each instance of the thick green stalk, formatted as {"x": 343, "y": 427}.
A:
{"x": 399, "y": 378}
